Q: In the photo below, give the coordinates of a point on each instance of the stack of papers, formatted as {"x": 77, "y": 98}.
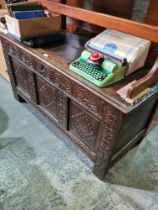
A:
{"x": 118, "y": 46}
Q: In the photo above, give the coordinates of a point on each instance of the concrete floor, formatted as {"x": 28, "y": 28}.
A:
{"x": 41, "y": 170}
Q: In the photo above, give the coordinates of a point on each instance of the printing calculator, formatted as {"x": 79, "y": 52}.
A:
{"x": 97, "y": 69}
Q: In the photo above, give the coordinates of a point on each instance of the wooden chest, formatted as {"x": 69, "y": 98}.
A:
{"x": 102, "y": 125}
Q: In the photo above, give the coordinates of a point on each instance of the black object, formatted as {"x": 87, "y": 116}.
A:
{"x": 45, "y": 40}
{"x": 2, "y": 20}
{"x": 125, "y": 62}
{"x": 11, "y": 1}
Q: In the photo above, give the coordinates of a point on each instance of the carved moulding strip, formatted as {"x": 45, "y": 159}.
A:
{"x": 9, "y": 67}
{"x": 62, "y": 103}
{"x": 112, "y": 120}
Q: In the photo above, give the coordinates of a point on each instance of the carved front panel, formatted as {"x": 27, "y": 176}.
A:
{"x": 75, "y": 91}
{"x": 83, "y": 125}
{"x": 52, "y": 100}
{"x": 23, "y": 78}
{"x": 47, "y": 96}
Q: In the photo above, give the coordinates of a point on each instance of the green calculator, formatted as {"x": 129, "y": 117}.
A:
{"x": 97, "y": 69}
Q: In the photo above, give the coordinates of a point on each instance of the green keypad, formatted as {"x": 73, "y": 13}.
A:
{"x": 90, "y": 69}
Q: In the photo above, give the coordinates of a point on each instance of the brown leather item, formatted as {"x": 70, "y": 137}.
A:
{"x": 137, "y": 86}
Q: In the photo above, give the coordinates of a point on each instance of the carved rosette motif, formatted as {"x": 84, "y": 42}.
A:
{"x": 13, "y": 50}
{"x": 38, "y": 66}
{"x": 86, "y": 99}
{"x": 19, "y": 54}
{"x": 52, "y": 75}
{"x": 65, "y": 84}
{"x": 112, "y": 119}
{"x": 27, "y": 60}
{"x": 55, "y": 77}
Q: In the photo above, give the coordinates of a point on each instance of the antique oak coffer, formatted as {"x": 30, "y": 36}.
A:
{"x": 102, "y": 125}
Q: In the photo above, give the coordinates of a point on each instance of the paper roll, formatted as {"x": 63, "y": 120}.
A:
{"x": 110, "y": 66}
{"x": 85, "y": 54}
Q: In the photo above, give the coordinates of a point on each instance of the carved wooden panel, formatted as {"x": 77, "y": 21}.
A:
{"x": 47, "y": 96}
{"x": 52, "y": 100}
{"x": 24, "y": 79}
{"x": 83, "y": 125}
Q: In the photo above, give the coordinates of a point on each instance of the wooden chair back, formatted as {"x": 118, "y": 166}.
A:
{"x": 119, "y": 8}
{"x": 142, "y": 30}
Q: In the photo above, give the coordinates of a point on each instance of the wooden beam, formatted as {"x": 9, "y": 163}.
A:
{"x": 107, "y": 21}
{"x": 151, "y": 16}
{"x": 152, "y": 19}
